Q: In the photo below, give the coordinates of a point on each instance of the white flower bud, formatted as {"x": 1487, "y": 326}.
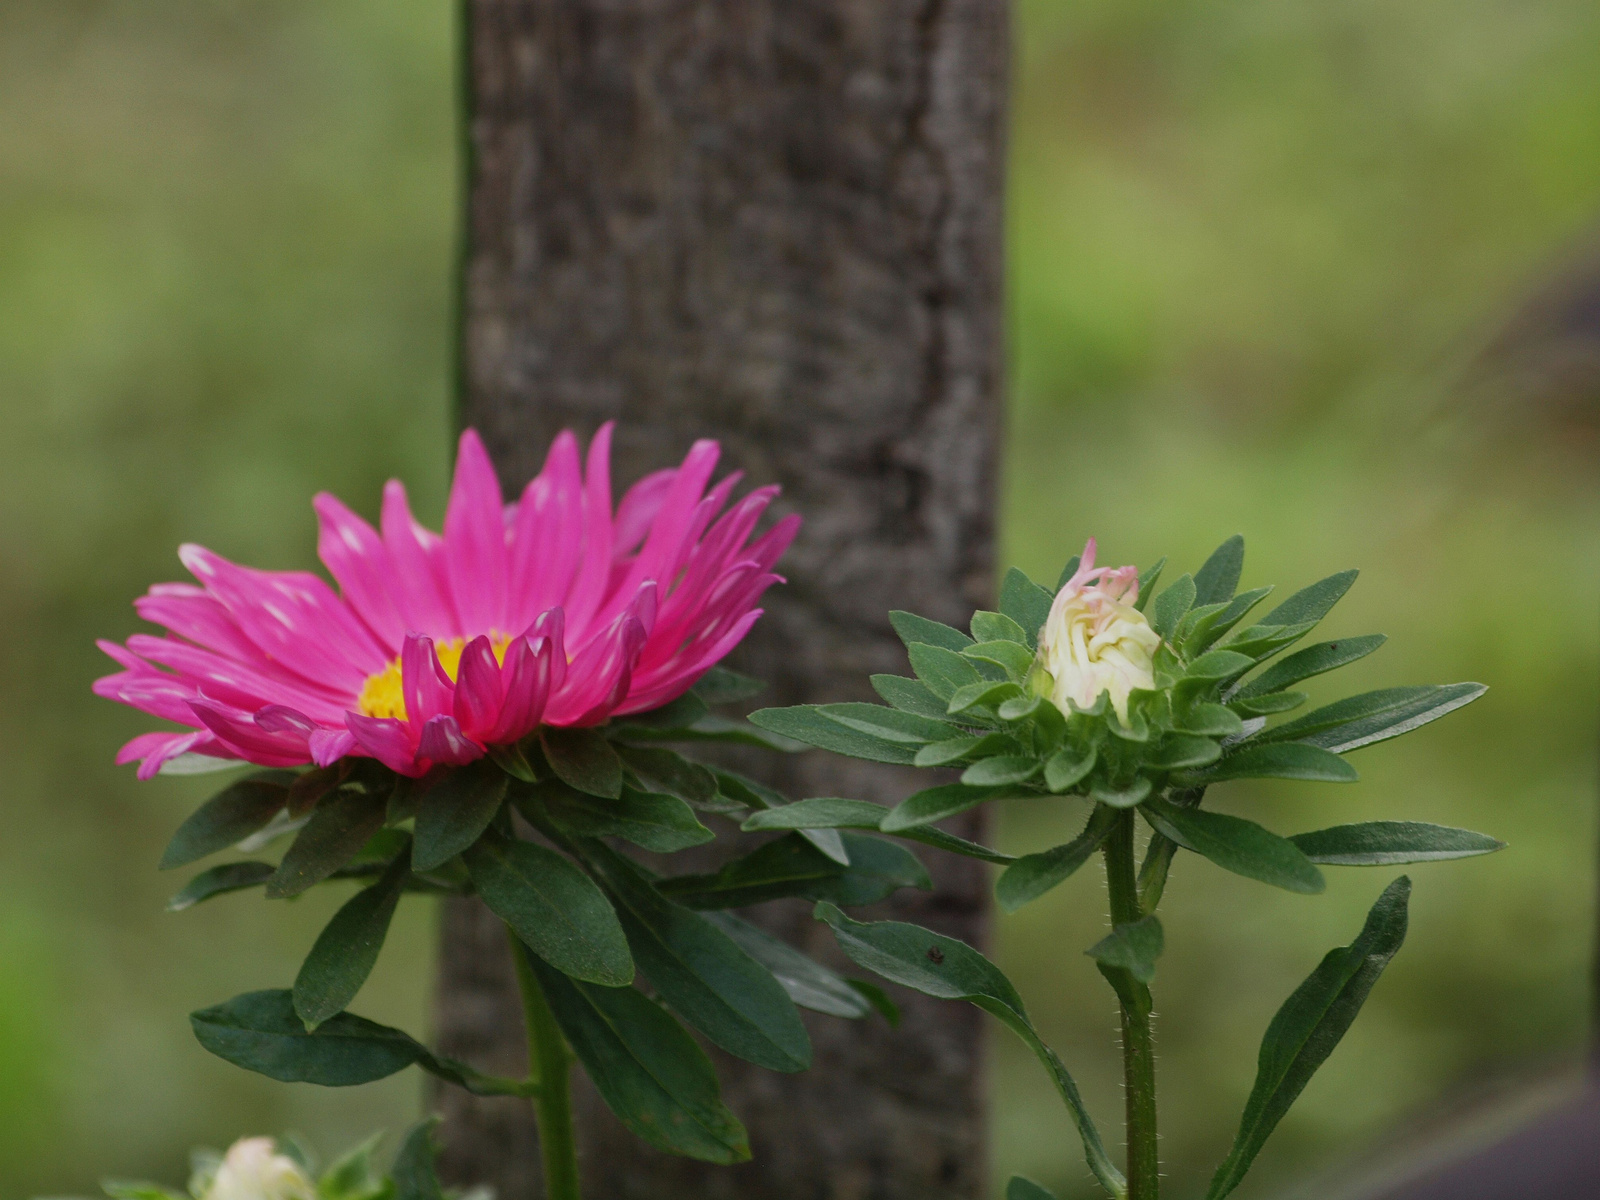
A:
{"x": 1095, "y": 641}
{"x": 254, "y": 1170}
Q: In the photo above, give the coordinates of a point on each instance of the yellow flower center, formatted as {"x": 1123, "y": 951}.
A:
{"x": 382, "y": 694}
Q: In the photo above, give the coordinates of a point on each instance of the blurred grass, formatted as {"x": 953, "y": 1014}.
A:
{"x": 1249, "y": 242}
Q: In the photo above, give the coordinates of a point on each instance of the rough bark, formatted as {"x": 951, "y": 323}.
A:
{"x": 776, "y": 223}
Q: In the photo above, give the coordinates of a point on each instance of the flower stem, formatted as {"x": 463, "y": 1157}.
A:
{"x": 550, "y": 1064}
{"x": 1138, "y": 1046}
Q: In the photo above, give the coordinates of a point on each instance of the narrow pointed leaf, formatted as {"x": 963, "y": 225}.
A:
{"x": 1308, "y": 1027}
{"x": 1280, "y": 760}
{"x": 939, "y": 754}
{"x": 1013, "y": 658}
{"x": 998, "y": 627}
{"x": 722, "y": 686}
{"x": 1371, "y": 717}
{"x": 344, "y": 953}
{"x": 807, "y": 723}
{"x": 1218, "y": 577}
{"x": 1209, "y": 629}
{"x": 1167, "y": 609}
{"x": 913, "y": 629}
{"x": 668, "y": 773}
{"x": 1268, "y": 705}
{"x": 1312, "y": 661}
{"x": 809, "y": 984}
{"x": 1026, "y": 603}
{"x": 700, "y": 972}
{"x": 649, "y": 820}
{"x": 1389, "y": 843}
{"x": 759, "y": 796}
{"x": 831, "y": 812}
{"x": 952, "y": 970}
{"x": 1002, "y": 769}
{"x": 1021, "y": 1188}
{"x": 230, "y": 816}
{"x": 1032, "y": 875}
{"x": 1237, "y": 845}
{"x": 1312, "y": 603}
{"x": 229, "y": 877}
{"x": 944, "y": 671}
{"x": 936, "y": 803}
{"x": 909, "y": 695}
{"x": 1133, "y": 947}
{"x": 646, "y": 1067}
{"x": 413, "y": 1170}
{"x": 337, "y": 830}
{"x": 1180, "y": 750}
{"x": 1068, "y": 571}
{"x": 454, "y": 812}
{"x": 889, "y": 724}
{"x": 793, "y": 867}
{"x": 1147, "y": 582}
{"x": 582, "y": 758}
{"x": 553, "y": 907}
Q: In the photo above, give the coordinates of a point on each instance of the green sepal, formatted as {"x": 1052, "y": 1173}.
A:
{"x": 1308, "y": 1027}
{"x": 952, "y": 970}
{"x": 1068, "y": 768}
{"x": 1121, "y": 797}
{"x": 1001, "y": 769}
{"x": 1207, "y": 720}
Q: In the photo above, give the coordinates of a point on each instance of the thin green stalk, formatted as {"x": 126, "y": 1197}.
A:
{"x": 1138, "y": 1046}
{"x": 550, "y": 1065}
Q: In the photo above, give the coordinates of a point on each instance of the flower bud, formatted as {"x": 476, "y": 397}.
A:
{"x": 254, "y": 1170}
{"x": 1095, "y": 641}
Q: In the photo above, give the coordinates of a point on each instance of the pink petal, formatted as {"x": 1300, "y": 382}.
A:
{"x": 267, "y": 749}
{"x": 594, "y": 572}
{"x": 232, "y": 682}
{"x": 527, "y": 674}
{"x": 426, "y": 688}
{"x": 159, "y": 754}
{"x": 443, "y": 742}
{"x": 418, "y": 559}
{"x": 293, "y": 616}
{"x": 358, "y": 560}
{"x": 279, "y": 718}
{"x": 478, "y": 688}
{"x": 595, "y": 672}
{"x": 548, "y": 535}
{"x": 475, "y": 540}
{"x": 328, "y": 746}
{"x": 191, "y": 612}
{"x": 638, "y": 509}
{"x": 386, "y": 740}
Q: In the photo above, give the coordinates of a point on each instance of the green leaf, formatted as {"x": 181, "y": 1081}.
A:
{"x": 650, "y": 820}
{"x": 952, "y": 970}
{"x": 809, "y": 984}
{"x": 260, "y": 1032}
{"x": 1217, "y": 664}
{"x": 1168, "y": 608}
{"x": 310, "y": 787}
{"x": 553, "y": 907}
{"x": 700, "y": 972}
{"x": 1121, "y": 797}
{"x": 1313, "y": 660}
{"x": 1068, "y": 571}
{"x": 229, "y": 877}
{"x": 830, "y": 812}
{"x": 1282, "y": 760}
{"x": 1068, "y": 768}
{"x": 1260, "y": 642}
{"x": 935, "y": 804}
{"x": 513, "y": 761}
{"x": 646, "y": 1067}
{"x": 1218, "y": 577}
{"x": 1208, "y": 629}
{"x": 809, "y": 724}
{"x": 128, "y": 1189}
{"x": 338, "y": 828}
{"x": 1308, "y": 1027}
{"x": 1178, "y": 750}
{"x": 583, "y": 759}
{"x": 1208, "y": 720}
{"x": 793, "y": 866}
{"x": 455, "y": 811}
{"x": 230, "y": 816}
{"x": 670, "y": 773}
{"x": 1005, "y": 768}
{"x": 351, "y": 1176}
{"x": 944, "y": 671}
{"x": 1371, "y": 717}
{"x": 1312, "y": 603}
{"x": 1388, "y": 843}
{"x": 1014, "y": 659}
{"x": 913, "y": 629}
{"x": 1026, "y": 603}
{"x": 759, "y": 796}
{"x": 707, "y": 729}
{"x": 879, "y": 999}
{"x": 1032, "y": 875}
{"x": 940, "y": 754}
{"x": 344, "y": 953}
{"x": 889, "y": 724}
{"x": 985, "y": 693}
{"x": 687, "y": 711}
{"x": 997, "y": 627}
{"x": 413, "y": 1172}
{"x": 1026, "y": 1189}
{"x": 909, "y": 695}
{"x": 1133, "y": 947}
{"x": 722, "y": 686}
{"x": 1237, "y": 845}
{"x": 1266, "y": 706}
{"x": 1021, "y": 707}
{"x": 1147, "y": 581}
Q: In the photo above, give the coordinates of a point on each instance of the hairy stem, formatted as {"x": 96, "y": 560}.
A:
{"x": 550, "y": 1064}
{"x": 1138, "y": 1046}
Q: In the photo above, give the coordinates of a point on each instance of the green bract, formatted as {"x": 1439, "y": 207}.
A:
{"x": 1223, "y": 681}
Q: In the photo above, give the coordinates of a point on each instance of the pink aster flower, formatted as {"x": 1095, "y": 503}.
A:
{"x": 554, "y": 610}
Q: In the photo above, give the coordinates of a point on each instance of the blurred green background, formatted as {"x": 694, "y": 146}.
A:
{"x": 1255, "y": 248}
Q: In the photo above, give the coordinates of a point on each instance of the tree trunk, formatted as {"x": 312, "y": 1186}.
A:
{"x": 776, "y": 223}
